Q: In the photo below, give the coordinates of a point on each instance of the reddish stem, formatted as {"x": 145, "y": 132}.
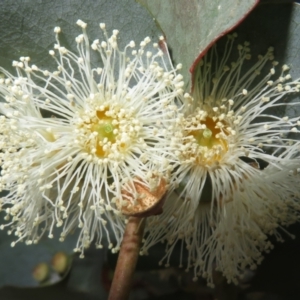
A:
{"x": 128, "y": 256}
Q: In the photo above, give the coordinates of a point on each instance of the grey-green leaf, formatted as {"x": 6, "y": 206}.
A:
{"x": 27, "y": 26}
{"x": 192, "y": 26}
{"x": 278, "y": 26}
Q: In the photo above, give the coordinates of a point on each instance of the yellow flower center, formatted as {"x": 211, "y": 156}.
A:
{"x": 105, "y": 129}
{"x": 109, "y": 132}
{"x": 211, "y": 142}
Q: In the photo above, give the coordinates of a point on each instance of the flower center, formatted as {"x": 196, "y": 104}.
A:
{"x": 209, "y": 136}
{"x": 209, "y": 143}
{"x": 104, "y": 128}
{"x": 108, "y": 132}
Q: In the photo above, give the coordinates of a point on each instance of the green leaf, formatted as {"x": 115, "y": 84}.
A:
{"x": 17, "y": 263}
{"x": 190, "y": 27}
{"x": 276, "y": 25}
{"x": 27, "y": 26}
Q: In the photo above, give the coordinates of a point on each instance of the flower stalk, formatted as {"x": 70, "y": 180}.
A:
{"x": 128, "y": 256}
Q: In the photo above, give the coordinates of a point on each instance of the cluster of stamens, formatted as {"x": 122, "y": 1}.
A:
{"x": 107, "y": 131}
{"x": 205, "y": 140}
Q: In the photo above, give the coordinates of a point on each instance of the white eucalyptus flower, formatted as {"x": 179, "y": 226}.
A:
{"x": 75, "y": 141}
{"x": 237, "y": 179}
